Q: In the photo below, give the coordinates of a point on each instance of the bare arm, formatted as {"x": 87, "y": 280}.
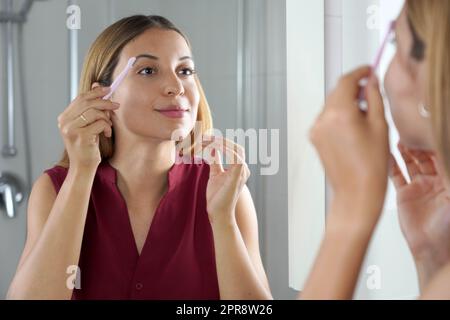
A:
{"x": 354, "y": 149}
{"x": 56, "y": 223}
{"x": 439, "y": 286}
{"x": 248, "y": 226}
{"x": 239, "y": 266}
{"x": 336, "y": 269}
{"x": 55, "y": 232}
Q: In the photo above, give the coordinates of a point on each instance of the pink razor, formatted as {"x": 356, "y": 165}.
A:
{"x": 361, "y": 95}
{"x": 120, "y": 78}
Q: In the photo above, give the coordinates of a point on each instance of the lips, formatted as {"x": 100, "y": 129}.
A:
{"x": 173, "y": 111}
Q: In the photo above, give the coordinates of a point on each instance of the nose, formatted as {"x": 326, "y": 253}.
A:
{"x": 173, "y": 86}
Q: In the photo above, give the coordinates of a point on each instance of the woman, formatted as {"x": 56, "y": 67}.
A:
{"x": 118, "y": 208}
{"x": 353, "y": 147}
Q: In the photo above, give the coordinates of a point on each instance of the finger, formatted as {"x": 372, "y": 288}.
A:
{"x": 215, "y": 167}
{"x": 440, "y": 170}
{"x": 92, "y": 115}
{"x": 238, "y": 149}
{"x": 246, "y": 173}
{"x": 96, "y": 93}
{"x": 225, "y": 144}
{"x": 359, "y": 73}
{"x": 396, "y": 174}
{"x": 349, "y": 84}
{"x": 100, "y": 104}
{"x": 231, "y": 155}
{"x": 239, "y": 173}
{"x": 411, "y": 165}
{"x": 374, "y": 99}
{"x": 84, "y": 98}
{"x": 82, "y": 106}
{"x": 98, "y": 127}
{"x": 424, "y": 161}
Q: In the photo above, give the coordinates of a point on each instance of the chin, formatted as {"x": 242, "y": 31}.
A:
{"x": 176, "y": 133}
{"x": 416, "y": 144}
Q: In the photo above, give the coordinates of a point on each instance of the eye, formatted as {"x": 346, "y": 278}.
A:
{"x": 187, "y": 72}
{"x": 147, "y": 71}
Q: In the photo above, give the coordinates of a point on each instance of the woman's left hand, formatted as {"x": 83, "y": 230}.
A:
{"x": 424, "y": 210}
{"x": 225, "y": 186}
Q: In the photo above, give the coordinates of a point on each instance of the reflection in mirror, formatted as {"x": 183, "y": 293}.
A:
{"x": 362, "y": 26}
{"x": 239, "y": 51}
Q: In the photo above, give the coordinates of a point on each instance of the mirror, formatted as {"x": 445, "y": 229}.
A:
{"x": 239, "y": 48}
{"x": 265, "y": 66}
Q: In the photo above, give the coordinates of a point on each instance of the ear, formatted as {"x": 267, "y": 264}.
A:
{"x": 95, "y": 85}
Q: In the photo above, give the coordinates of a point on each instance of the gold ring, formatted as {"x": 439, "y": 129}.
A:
{"x": 84, "y": 118}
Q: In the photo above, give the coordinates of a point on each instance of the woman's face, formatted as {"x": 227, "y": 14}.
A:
{"x": 159, "y": 96}
{"x": 405, "y": 84}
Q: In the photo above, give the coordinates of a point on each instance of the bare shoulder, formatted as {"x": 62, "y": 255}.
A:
{"x": 42, "y": 196}
{"x": 40, "y": 203}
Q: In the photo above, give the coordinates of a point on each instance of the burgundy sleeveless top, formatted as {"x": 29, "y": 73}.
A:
{"x": 177, "y": 260}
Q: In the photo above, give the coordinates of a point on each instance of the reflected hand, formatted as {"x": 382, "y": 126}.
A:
{"x": 81, "y": 123}
{"x": 225, "y": 186}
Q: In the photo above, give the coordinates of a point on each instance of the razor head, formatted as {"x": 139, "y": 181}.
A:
{"x": 120, "y": 77}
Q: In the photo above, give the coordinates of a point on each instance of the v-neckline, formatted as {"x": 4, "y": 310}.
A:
{"x": 129, "y": 226}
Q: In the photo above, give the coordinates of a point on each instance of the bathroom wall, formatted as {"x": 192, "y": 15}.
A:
{"x": 46, "y": 90}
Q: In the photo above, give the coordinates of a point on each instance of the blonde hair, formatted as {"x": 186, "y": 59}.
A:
{"x": 430, "y": 24}
{"x": 102, "y": 58}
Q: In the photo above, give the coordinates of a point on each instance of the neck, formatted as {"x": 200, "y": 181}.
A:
{"x": 143, "y": 164}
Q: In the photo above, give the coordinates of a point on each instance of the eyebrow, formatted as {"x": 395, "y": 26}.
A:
{"x": 150, "y": 56}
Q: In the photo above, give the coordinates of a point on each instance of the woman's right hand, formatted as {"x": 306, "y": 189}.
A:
{"x": 354, "y": 147}
{"x": 81, "y": 122}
